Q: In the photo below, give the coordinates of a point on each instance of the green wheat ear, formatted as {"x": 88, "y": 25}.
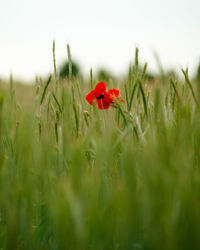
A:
{"x": 54, "y": 66}
{"x": 70, "y": 62}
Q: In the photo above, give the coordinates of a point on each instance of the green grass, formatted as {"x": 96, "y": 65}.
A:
{"x": 75, "y": 177}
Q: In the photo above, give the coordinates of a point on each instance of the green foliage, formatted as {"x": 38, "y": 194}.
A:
{"x": 64, "y": 69}
{"x": 76, "y": 177}
{"x": 103, "y": 75}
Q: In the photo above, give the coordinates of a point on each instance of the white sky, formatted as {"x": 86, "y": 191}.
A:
{"x": 100, "y": 33}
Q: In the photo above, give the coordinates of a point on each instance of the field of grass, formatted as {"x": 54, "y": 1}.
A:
{"x": 73, "y": 176}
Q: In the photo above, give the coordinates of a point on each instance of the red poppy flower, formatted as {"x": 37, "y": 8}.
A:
{"x": 103, "y": 98}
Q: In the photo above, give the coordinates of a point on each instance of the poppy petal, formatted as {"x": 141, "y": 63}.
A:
{"x": 102, "y": 104}
{"x": 107, "y": 98}
{"x": 90, "y": 97}
{"x": 114, "y": 93}
{"x": 100, "y": 89}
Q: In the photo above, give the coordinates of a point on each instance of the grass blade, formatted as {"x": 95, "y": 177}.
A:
{"x": 185, "y": 73}
{"x": 57, "y": 102}
{"x": 45, "y": 89}
{"x": 175, "y": 90}
{"x": 131, "y": 96}
{"x": 143, "y": 98}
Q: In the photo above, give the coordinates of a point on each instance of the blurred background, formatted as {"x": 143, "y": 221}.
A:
{"x": 102, "y": 35}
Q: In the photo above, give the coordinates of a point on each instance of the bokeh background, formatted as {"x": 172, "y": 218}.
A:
{"x": 101, "y": 34}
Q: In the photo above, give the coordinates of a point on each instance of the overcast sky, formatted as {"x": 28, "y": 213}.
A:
{"x": 100, "y": 33}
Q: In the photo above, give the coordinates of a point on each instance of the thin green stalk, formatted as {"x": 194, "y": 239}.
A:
{"x": 12, "y": 91}
{"x": 104, "y": 119}
{"x": 76, "y": 118}
{"x": 122, "y": 113}
{"x": 91, "y": 80}
{"x": 75, "y": 111}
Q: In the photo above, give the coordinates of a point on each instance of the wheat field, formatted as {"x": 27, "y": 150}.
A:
{"x": 73, "y": 176}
